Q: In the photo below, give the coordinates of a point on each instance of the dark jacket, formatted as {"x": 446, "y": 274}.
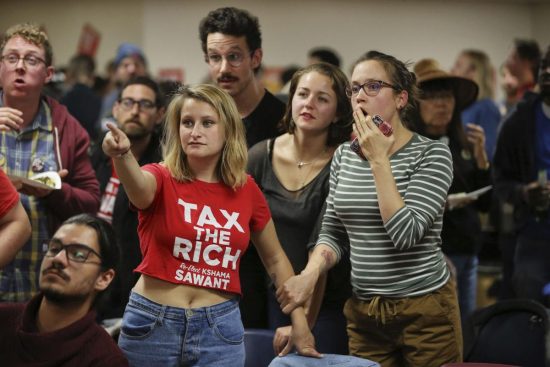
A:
{"x": 125, "y": 223}
{"x": 514, "y": 162}
{"x": 81, "y": 344}
{"x": 461, "y": 233}
{"x": 80, "y": 190}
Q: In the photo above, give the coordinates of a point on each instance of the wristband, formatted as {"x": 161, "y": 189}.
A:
{"x": 121, "y": 155}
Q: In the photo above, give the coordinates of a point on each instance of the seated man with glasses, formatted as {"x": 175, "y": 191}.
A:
{"x": 138, "y": 112}
{"x": 38, "y": 135}
{"x": 57, "y": 326}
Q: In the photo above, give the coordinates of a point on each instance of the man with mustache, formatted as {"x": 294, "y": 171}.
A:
{"x": 57, "y": 327}
{"x": 38, "y": 135}
{"x": 232, "y": 45}
{"x": 138, "y": 111}
{"x": 521, "y": 174}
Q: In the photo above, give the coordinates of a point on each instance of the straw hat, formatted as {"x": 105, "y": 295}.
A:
{"x": 428, "y": 71}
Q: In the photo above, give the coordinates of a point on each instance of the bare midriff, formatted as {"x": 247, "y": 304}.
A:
{"x": 179, "y": 295}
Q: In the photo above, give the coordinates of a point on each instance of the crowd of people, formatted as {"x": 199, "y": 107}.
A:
{"x": 345, "y": 214}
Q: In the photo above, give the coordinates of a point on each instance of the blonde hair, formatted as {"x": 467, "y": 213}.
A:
{"x": 232, "y": 164}
{"x": 32, "y": 34}
{"x": 484, "y": 73}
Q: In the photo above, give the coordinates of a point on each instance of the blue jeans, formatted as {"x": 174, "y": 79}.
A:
{"x": 156, "y": 335}
{"x": 294, "y": 360}
{"x": 466, "y": 280}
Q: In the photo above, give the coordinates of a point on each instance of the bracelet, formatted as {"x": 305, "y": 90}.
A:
{"x": 121, "y": 155}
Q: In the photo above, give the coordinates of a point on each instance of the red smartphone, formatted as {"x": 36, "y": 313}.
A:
{"x": 384, "y": 127}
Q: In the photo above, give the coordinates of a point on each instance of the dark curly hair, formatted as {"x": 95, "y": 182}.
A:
{"x": 233, "y": 22}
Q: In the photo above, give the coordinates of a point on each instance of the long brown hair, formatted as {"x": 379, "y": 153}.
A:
{"x": 340, "y": 130}
{"x": 232, "y": 163}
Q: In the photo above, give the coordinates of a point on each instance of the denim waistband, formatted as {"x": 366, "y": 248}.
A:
{"x": 177, "y": 313}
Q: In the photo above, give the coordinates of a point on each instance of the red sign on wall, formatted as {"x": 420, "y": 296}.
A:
{"x": 89, "y": 40}
{"x": 171, "y": 74}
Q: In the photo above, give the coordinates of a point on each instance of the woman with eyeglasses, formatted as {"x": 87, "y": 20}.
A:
{"x": 197, "y": 212}
{"x": 442, "y": 99}
{"x": 389, "y": 205}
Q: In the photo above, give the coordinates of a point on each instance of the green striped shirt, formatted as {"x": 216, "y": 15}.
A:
{"x": 402, "y": 257}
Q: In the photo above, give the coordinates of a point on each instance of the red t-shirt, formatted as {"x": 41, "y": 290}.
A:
{"x": 8, "y": 195}
{"x": 196, "y": 232}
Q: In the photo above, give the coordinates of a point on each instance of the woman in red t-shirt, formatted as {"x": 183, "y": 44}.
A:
{"x": 15, "y": 228}
{"x": 197, "y": 211}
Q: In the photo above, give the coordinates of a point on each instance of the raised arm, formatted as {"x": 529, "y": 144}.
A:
{"x": 279, "y": 269}
{"x": 140, "y": 186}
{"x": 15, "y": 229}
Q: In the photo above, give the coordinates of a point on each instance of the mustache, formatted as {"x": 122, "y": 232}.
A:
{"x": 227, "y": 78}
{"x": 134, "y": 120}
{"x": 56, "y": 269}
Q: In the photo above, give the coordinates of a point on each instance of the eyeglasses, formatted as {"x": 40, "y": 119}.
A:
{"x": 436, "y": 94}
{"x": 75, "y": 252}
{"x": 235, "y": 59}
{"x": 370, "y": 87}
{"x": 30, "y": 61}
{"x": 143, "y": 104}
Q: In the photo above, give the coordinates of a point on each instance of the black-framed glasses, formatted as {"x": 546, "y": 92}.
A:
{"x": 370, "y": 87}
{"x": 444, "y": 94}
{"x": 75, "y": 252}
{"x": 143, "y": 104}
{"x": 235, "y": 59}
{"x": 28, "y": 60}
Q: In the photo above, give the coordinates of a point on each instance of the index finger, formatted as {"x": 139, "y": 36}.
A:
{"x": 475, "y": 127}
{"x": 361, "y": 123}
{"x": 289, "y": 307}
{"x": 11, "y": 110}
{"x": 287, "y": 349}
{"x": 114, "y": 129}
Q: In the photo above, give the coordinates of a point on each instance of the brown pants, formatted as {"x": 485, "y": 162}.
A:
{"x": 421, "y": 331}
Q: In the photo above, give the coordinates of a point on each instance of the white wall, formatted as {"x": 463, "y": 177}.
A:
{"x": 408, "y": 29}
{"x": 541, "y": 24}
{"x": 117, "y": 21}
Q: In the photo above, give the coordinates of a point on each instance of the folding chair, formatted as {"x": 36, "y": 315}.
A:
{"x": 513, "y": 332}
{"x": 258, "y": 345}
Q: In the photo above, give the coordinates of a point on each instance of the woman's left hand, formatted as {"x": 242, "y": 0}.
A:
{"x": 476, "y": 136}
{"x": 301, "y": 338}
{"x": 281, "y": 339}
{"x": 374, "y": 145}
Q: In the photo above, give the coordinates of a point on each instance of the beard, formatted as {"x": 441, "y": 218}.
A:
{"x": 60, "y": 298}
{"x": 544, "y": 85}
{"x": 135, "y": 133}
{"x": 545, "y": 91}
